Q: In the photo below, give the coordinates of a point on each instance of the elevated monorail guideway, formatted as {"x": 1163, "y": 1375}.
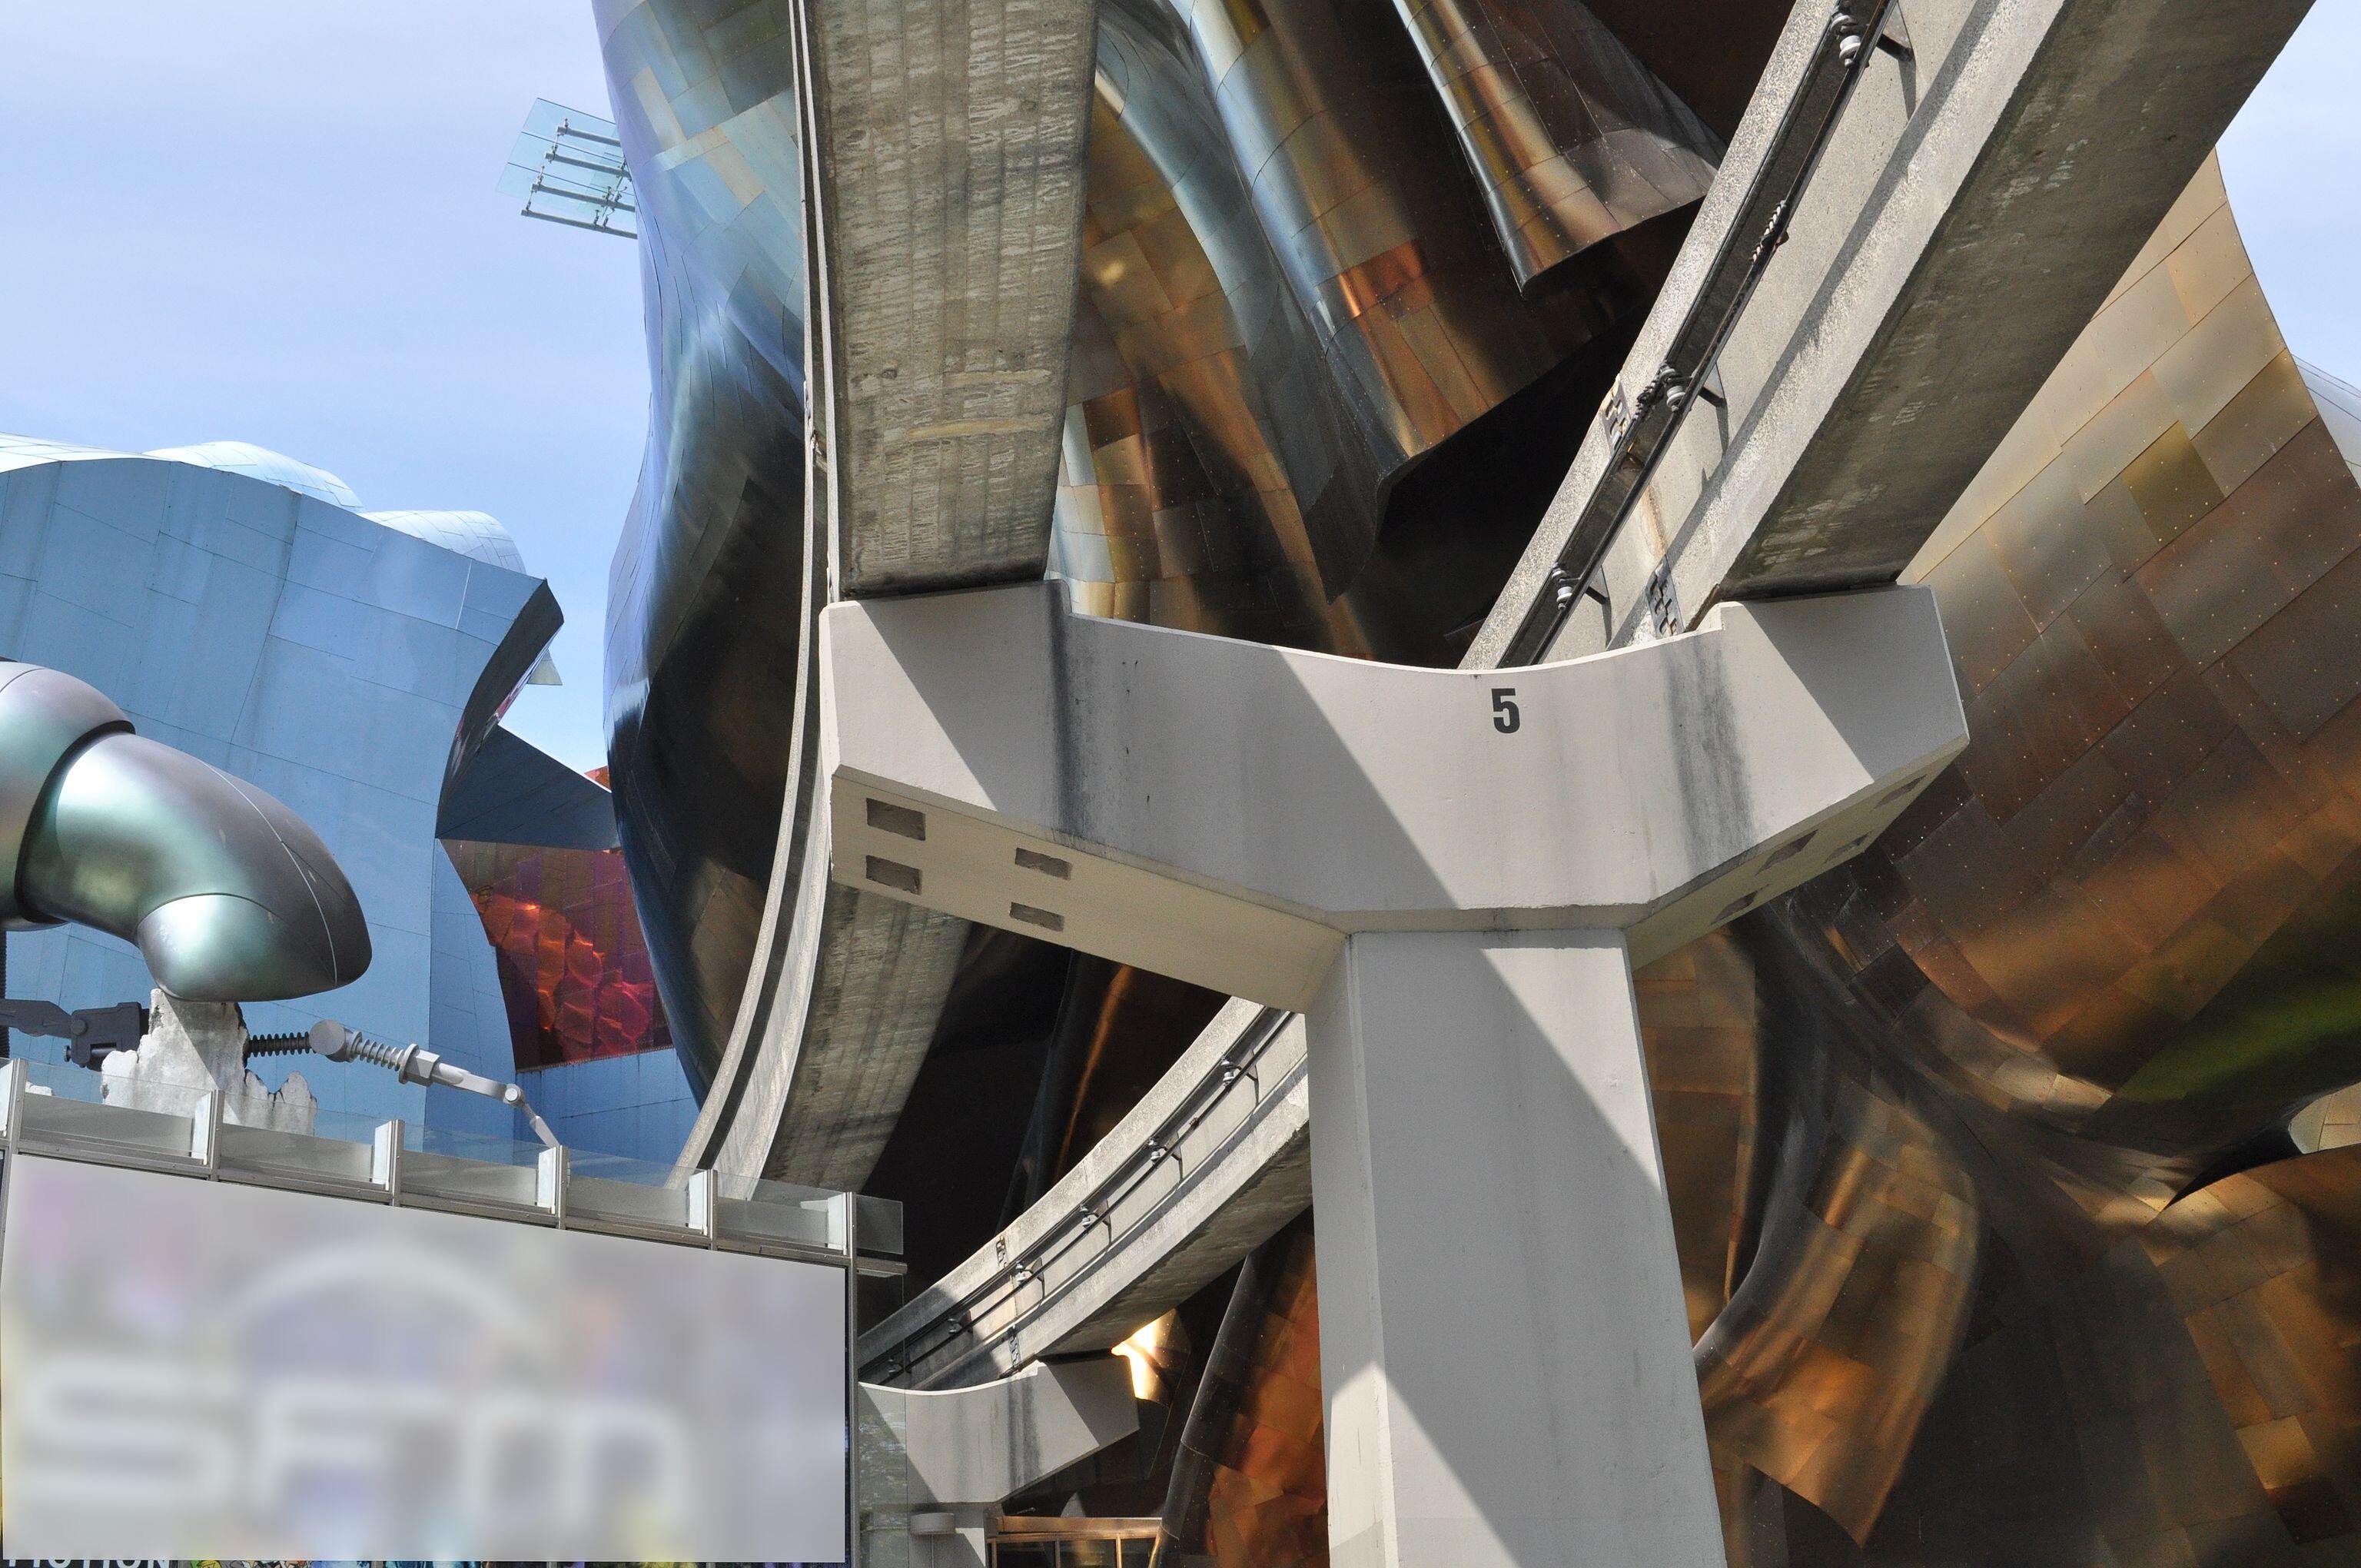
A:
{"x": 1450, "y": 874}
{"x": 1914, "y": 164}
{"x": 942, "y": 154}
{"x": 1923, "y": 207}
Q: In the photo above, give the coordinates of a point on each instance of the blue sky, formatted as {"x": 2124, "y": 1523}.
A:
{"x": 2293, "y": 166}
{"x": 274, "y": 221}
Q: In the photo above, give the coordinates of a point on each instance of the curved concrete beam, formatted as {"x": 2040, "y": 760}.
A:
{"x": 982, "y": 1444}
{"x": 946, "y": 145}
{"x": 1201, "y": 1172}
{"x": 936, "y": 1466}
{"x": 1893, "y": 342}
{"x": 1228, "y": 812}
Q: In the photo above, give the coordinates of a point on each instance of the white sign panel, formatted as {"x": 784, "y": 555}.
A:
{"x": 191, "y": 1369}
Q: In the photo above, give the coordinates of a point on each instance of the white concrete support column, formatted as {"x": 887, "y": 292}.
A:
{"x": 1503, "y": 1349}
{"x": 1450, "y": 873}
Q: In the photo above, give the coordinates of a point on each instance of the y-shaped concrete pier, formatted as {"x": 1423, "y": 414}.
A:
{"x": 1451, "y": 873}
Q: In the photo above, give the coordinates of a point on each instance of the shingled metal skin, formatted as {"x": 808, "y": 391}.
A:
{"x": 573, "y": 966}
{"x": 1995, "y": 1240}
{"x": 2113, "y": 955}
{"x": 229, "y": 895}
{"x": 701, "y": 688}
{"x": 1946, "y": 1132}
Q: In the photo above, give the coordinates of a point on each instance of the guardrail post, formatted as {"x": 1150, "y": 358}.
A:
{"x": 549, "y": 1184}
{"x": 385, "y": 1158}
{"x": 204, "y": 1133}
{"x": 12, "y": 1101}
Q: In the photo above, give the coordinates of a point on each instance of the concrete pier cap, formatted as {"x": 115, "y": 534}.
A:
{"x": 1228, "y": 812}
{"x": 1450, "y": 873}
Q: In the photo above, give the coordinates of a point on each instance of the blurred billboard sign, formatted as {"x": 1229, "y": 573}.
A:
{"x": 195, "y": 1370}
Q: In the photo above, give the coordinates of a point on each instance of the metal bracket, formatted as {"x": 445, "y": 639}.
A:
{"x": 1664, "y": 606}
{"x": 1894, "y": 35}
{"x": 1638, "y": 441}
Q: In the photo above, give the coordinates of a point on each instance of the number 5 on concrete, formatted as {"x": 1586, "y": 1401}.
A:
{"x": 1505, "y": 717}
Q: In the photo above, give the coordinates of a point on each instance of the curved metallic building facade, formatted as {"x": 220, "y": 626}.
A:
{"x": 1290, "y": 297}
{"x": 229, "y": 895}
{"x": 703, "y": 626}
{"x": 1997, "y": 1245}
{"x": 1312, "y": 255}
{"x": 2104, "y": 964}
{"x": 266, "y": 638}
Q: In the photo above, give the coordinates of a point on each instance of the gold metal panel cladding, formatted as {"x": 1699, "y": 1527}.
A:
{"x": 2002, "y": 1303}
{"x": 1251, "y": 1482}
{"x": 2013, "y": 1164}
{"x": 1701, "y": 1027}
{"x": 2016, "y": 1167}
{"x": 1285, "y": 305}
{"x": 1572, "y": 138}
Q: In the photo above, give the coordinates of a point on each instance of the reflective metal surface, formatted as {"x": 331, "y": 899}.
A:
{"x": 1996, "y": 1241}
{"x": 271, "y": 468}
{"x": 1574, "y": 139}
{"x": 704, "y": 628}
{"x": 45, "y": 714}
{"x": 1290, "y": 297}
{"x": 945, "y": 331}
{"x": 1250, "y": 1487}
{"x": 574, "y": 969}
{"x": 1996, "y": 1245}
{"x": 2107, "y": 956}
{"x": 478, "y": 536}
{"x": 1293, "y": 299}
{"x": 230, "y": 896}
